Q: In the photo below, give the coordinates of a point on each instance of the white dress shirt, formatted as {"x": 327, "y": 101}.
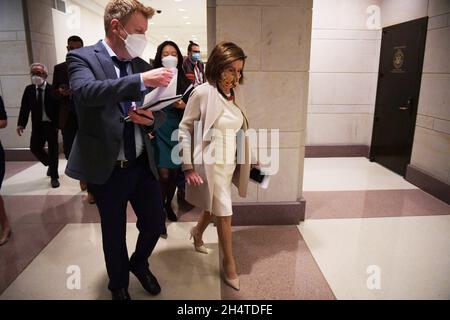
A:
{"x": 137, "y": 131}
{"x": 45, "y": 117}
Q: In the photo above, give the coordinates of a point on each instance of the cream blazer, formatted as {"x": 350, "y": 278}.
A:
{"x": 204, "y": 107}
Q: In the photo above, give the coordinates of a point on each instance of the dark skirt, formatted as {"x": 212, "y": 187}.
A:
{"x": 163, "y": 142}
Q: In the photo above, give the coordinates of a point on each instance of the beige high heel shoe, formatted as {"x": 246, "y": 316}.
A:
{"x": 234, "y": 283}
{"x": 202, "y": 248}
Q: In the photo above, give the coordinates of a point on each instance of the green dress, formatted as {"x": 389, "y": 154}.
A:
{"x": 162, "y": 142}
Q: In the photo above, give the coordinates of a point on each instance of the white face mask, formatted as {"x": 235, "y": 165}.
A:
{"x": 135, "y": 44}
{"x": 169, "y": 62}
{"x": 37, "y": 81}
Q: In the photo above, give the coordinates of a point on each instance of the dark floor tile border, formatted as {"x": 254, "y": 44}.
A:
{"x": 424, "y": 181}
{"x": 22, "y": 263}
{"x": 269, "y": 213}
{"x": 310, "y": 152}
{"x": 19, "y": 155}
{"x": 337, "y": 151}
{"x": 24, "y": 154}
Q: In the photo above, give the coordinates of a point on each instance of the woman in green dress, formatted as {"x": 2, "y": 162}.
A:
{"x": 169, "y": 56}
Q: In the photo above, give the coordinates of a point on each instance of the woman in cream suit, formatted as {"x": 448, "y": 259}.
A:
{"x": 215, "y": 113}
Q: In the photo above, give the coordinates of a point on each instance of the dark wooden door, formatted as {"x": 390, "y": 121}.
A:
{"x": 399, "y": 76}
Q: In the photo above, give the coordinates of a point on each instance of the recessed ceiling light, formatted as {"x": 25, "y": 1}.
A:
{"x": 177, "y": 0}
{"x": 181, "y": 9}
{"x": 185, "y": 17}
{"x": 188, "y": 22}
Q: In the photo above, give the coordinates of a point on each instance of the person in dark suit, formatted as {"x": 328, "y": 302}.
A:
{"x": 66, "y": 105}
{"x": 63, "y": 96}
{"x": 4, "y": 223}
{"x": 116, "y": 157}
{"x": 37, "y": 99}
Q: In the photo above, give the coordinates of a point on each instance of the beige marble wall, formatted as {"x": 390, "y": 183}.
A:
{"x": 14, "y": 58}
{"x": 276, "y": 36}
{"x": 42, "y": 33}
{"x": 14, "y": 72}
{"x": 431, "y": 149}
{"x": 398, "y": 11}
{"x": 344, "y": 69}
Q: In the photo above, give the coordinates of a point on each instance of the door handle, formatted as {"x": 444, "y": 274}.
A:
{"x": 408, "y": 105}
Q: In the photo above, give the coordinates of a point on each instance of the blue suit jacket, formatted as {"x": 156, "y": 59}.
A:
{"x": 98, "y": 93}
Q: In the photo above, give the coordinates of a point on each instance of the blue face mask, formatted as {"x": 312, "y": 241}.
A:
{"x": 196, "y": 56}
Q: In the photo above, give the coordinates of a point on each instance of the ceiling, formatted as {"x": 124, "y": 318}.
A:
{"x": 179, "y": 21}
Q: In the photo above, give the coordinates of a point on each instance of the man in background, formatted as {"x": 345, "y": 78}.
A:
{"x": 37, "y": 99}
{"x": 62, "y": 94}
{"x": 192, "y": 65}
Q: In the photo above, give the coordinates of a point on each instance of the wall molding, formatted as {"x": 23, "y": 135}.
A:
{"x": 19, "y": 154}
{"x": 331, "y": 151}
{"x": 24, "y": 154}
{"x": 428, "y": 183}
{"x": 269, "y": 213}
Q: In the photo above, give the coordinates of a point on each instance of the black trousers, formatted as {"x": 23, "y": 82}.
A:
{"x": 40, "y": 134}
{"x": 138, "y": 186}
{"x": 68, "y": 133}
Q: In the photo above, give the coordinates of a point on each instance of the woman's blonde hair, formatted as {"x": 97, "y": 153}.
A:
{"x": 123, "y": 9}
{"x": 223, "y": 54}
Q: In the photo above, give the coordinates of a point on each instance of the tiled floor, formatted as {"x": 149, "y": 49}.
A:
{"x": 347, "y": 174}
{"x": 411, "y": 256}
{"x": 366, "y": 224}
{"x": 80, "y": 245}
{"x": 359, "y": 216}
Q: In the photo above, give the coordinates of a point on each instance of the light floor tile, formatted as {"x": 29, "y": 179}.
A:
{"x": 33, "y": 181}
{"x": 350, "y": 174}
{"x": 182, "y": 272}
{"x": 412, "y": 254}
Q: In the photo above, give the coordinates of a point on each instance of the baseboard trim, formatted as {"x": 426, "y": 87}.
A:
{"x": 334, "y": 151}
{"x": 24, "y": 154}
{"x": 269, "y": 213}
{"x": 430, "y": 184}
{"x": 19, "y": 155}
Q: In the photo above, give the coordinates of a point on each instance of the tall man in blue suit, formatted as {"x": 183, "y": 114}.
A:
{"x": 116, "y": 157}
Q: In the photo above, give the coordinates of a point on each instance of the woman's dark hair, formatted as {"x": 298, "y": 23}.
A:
{"x": 157, "y": 62}
{"x": 192, "y": 44}
{"x": 223, "y": 54}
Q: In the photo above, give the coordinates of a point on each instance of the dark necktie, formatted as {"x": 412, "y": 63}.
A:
{"x": 129, "y": 143}
{"x": 39, "y": 101}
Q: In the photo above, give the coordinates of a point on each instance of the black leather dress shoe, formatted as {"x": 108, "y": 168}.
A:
{"x": 120, "y": 294}
{"x": 148, "y": 282}
{"x": 55, "y": 183}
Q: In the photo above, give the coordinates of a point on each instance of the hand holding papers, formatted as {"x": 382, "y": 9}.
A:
{"x": 161, "y": 97}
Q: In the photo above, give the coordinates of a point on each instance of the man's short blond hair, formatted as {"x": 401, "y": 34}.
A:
{"x": 123, "y": 9}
